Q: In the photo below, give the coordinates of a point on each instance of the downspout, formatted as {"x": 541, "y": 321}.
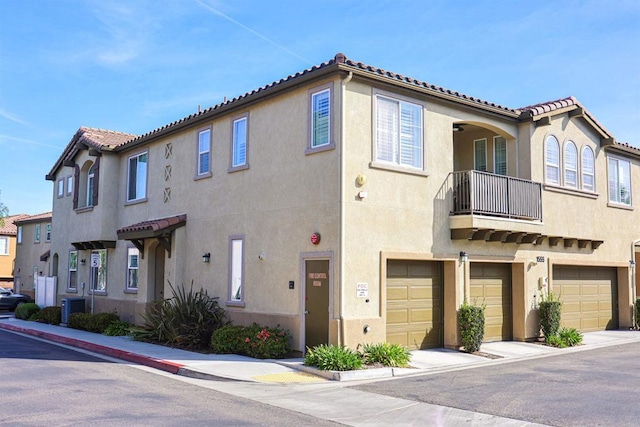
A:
{"x": 634, "y": 269}
{"x": 343, "y": 163}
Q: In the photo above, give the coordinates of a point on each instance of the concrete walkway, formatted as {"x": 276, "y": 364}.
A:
{"x": 310, "y": 392}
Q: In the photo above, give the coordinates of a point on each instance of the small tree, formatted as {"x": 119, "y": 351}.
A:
{"x": 4, "y": 211}
{"x": 471, "y": 322}
{"x": 550, "y": 311}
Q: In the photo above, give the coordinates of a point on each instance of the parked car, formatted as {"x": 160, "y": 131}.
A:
{"x": 10, "y": 300}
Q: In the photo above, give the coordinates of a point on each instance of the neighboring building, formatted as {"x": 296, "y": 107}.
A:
{"x": 350, "y": 204}
{"x": 8, "y": 237}
{"x": 33, "y": 252}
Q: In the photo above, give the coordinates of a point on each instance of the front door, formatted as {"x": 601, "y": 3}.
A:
{"x": 316, "y": 300}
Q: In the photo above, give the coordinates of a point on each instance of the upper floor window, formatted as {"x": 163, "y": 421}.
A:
{"x": 91, "y": 181}
{"x": 552, "y": 160}
{"x": 47, "y": 236}
{"x": 398, "y": 131}
{"x": 4, "y": 245}
{"x": 570, "y": 165}
{"x": 239, "y": 143}
{"x": 133, "y": 254}
{"x": 499, "y": 155}
{"x": 204, "y": 152}
{"x": 19, "y": 236}
{"x": 137, "y": 177}
{"x": 320, "y": 118}
{"x": 480, "y": 155}
{"x": 619, "y": 181}
{"x": 85, "y": 184}
{"x": 60, "y": 187}
{"x": 588, "y": 169}
{"x": 37, "y": 234}
{"x": 69, "y": 184}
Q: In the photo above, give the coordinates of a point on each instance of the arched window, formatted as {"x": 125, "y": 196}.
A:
{"x": 552, "y": 160}
{"x": 570, "y": 165}
{"x": 85, "y": 192}
{"x": 588, "y": 169}
{"x": 90, "y": 185}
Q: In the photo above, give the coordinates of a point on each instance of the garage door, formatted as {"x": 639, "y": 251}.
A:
{"x": 588, "y": 296}
{"x": 414, "y": 303}
{"x": 491, "y": 285}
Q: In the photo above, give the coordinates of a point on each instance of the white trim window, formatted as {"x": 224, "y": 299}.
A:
{"x": 619, "y": 181}
{"x": 398, "y": 133}
{"x": 47, "y": 235}
{"x": 239, "y": 143}
{"x": 570, "y": 165}
{"x": 133, "y": 257}
{"x": 236, "y": 269}
{"x": 90, "y": 185}
{"x": 19, "y": 235}
{"x": 137, "y": 177}
{"x": 204, "y": 152}
{"x": 321, "y": 118}
{"x": 480, "y": 154}
{"x": 73, "y": 270}
{"x": 552, "y": 160}
{"x": 500, "y": 155}
{"x": 37, "y": 234}
{"x": 60, "y": 188}
{"x": 588, "y": 169}
{"x": 4, "y": 245}
{"x": 69, "y": 185}
{"x": 99, "y": 272}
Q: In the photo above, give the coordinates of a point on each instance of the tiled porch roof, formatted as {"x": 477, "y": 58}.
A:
{"x": 152, "y": 228}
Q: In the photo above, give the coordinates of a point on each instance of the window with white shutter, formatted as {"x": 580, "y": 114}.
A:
{"x": 399, "y": 132}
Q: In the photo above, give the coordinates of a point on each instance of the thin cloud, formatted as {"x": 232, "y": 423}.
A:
{"x": 252, "y": 31}
{"x": 12, "y": 118}
{"x": 7, "y": 138}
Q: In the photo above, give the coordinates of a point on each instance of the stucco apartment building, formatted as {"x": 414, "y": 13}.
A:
{"x": 33, "y": 246}
{"x": 351, "y": 204}
{"x": 8, "y": 238}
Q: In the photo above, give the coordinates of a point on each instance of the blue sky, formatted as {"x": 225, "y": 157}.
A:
{"x": 136, "y": 65}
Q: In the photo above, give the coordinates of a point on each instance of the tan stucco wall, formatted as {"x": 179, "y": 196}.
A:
{"x": 28, "y": 255}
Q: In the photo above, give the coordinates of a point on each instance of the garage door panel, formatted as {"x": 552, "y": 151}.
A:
{"x": 491, "y": 286}
{"x": 413, "y": 303}
{"x": 588, "y": 296}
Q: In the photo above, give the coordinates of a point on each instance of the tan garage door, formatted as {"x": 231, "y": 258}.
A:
{"x": 491, "y": 285}
{"x": 588, "y": 296}
{"x": 414, "y": 303}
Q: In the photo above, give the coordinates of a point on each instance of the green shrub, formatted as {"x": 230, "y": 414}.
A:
{"x": 550, "y": 311}
{"x": 26, "y": 310}
{"x": 92, "y": 322}
{"x": 555, "y": 341}
{"x": 471, "y": 322}
{"x": 393, "y": 355}
{"x": 50, "y": 315}
{"x": 186, "y": 320}
{"x": 333, "y": 358}
{"x": 638, "y": 313}
{"x": 117, "y": 328}
{"x": 570, "y": 336}
{"x": 256, "y": 341}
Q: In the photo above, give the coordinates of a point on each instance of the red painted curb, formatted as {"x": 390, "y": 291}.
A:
{"x": 163, "y": 365}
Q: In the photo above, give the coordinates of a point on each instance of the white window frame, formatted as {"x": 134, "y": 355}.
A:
{"x": 548, "y": 163}
{"x": 140, "y": 176}
{"x": 239, "y": 143}
{"x": 19, "y": 235}
{"x": 204, "y": 136}
{"x": 72, "y": 268}
{"x": 98, "y": 275}
{"x": 320, "y": 116}
{"x": 614, "y": 165}
{"x": 236, "y": 271}
{"x": 90, "y": 185}
{"x": 60, "y": 188}
{"x": 570, "y": 165}
{"x": 133, "y": 268}
{"x": 482, "y": 144}
{"x": 70, "y": 185}
{"x": 47, "y": 235}
{"x": 395, "y": 135}
{"x": 584, "y": 172}
{"x": 497, "y": 163}
{"x": 4, "y": 247}
{"x": 36, "y": 237}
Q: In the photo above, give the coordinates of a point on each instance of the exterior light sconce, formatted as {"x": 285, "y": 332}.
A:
{"x": 206, "y": 257}
{"x": 262, "y": 256}
{"x": 464, "y": 257}
{"x": 83, "y": 261}
{"x": 366, "y": 329}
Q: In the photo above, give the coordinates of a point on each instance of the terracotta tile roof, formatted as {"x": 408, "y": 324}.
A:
{"x": 9, "y": 228}
{"x": 99, "y": 138}
{"x": 154, "y": 226}
{"x": 42, "y": 217}
{"x": 547, "y": 107}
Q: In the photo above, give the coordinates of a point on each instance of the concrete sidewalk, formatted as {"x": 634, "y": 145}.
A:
{"x": 242, "y": 368}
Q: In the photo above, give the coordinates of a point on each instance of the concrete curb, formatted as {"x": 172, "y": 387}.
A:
{"x": 162, "y": 365}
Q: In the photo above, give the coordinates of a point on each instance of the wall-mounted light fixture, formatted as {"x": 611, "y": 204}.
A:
{"x": 206, "y": 257}
{"x": 83, "y": 261}
{"x": 262, "y": 256}
{"x": 366, "y": 329}
{"x": 632, "y": 264}
{"x": 464, "y": 257}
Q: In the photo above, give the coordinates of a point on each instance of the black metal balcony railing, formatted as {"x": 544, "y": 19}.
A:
{"x": 483, "y": 193}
